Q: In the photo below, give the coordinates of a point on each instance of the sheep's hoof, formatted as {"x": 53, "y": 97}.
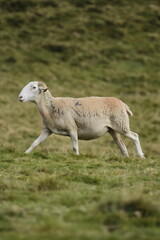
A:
{"x": 26, "y": 152}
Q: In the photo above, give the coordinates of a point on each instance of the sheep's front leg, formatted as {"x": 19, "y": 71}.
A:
{"x": 45, "y": 133}
{"x": 74, "y": 140}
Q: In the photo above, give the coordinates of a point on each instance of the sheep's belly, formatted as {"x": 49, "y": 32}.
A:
{"x": 60, "y": 132}
{"x": 84, "y": 134}
{"x": 90, "y": 133}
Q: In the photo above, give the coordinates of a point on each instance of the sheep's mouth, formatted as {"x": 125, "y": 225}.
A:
{"x": 21, "y": 100}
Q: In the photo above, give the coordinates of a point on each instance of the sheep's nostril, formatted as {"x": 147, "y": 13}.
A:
{"x": 20, "y": 98}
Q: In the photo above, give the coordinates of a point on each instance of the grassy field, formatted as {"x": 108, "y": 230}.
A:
{"x": 79, "y": 48}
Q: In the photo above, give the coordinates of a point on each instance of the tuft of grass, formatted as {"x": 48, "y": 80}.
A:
{"x": 134, "y": 211}
{"x": 50, "y": 183}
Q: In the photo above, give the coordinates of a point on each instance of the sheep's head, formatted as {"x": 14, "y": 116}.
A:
{"x": 31, "y": 91}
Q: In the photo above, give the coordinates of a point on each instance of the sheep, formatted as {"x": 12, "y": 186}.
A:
{"x": 80, "y": 118}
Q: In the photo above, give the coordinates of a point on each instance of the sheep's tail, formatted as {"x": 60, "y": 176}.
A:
{"x": 130, "y": 114}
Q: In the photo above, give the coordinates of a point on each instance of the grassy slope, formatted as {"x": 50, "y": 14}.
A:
{"x": 86, "y": 197}
{"x": 79, "y": 48}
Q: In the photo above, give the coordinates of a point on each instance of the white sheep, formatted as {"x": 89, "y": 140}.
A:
{"x": 80, "y": 118}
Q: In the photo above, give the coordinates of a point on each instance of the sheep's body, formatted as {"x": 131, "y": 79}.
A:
{"x": 82, "y": 118}
{"x": 90, "y": 116}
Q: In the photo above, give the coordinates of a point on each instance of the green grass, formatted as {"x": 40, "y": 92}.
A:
{"x": 79, "y": 48}
{"x": 84, "y": 197}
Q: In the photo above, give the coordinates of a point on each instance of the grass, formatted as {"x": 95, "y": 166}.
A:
{"x": 79, "y": 48}
{"x": 82, "y": 197}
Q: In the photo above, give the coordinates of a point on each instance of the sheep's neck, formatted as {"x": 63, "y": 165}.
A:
{"x": 44, "y": 103}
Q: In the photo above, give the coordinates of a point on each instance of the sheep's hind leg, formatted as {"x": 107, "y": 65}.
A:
{"x": 74, "y": 140}
{"x": 118, "y": 140}
{"x": 135, "y": 138}
{"x": 45, "y": 133}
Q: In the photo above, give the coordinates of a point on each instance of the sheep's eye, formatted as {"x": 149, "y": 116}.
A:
{"x": 34, "y": 87}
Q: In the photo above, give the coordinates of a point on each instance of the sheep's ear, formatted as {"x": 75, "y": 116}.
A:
{"x": 45, "y": 89}
{"x": 42, "y": 89}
